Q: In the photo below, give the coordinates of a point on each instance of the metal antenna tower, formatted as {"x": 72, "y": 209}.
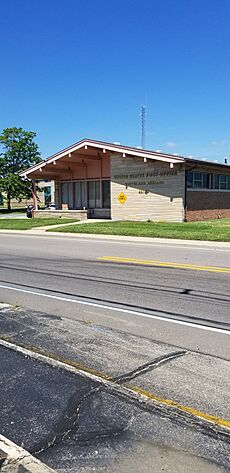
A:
{"x": 143, "y": 114}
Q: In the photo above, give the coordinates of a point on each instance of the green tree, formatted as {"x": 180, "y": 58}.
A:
{"x": 18, "y": 152}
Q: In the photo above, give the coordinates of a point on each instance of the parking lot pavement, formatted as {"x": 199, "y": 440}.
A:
{"x": 70, "y": 421}
{"x": 195, "y": 380}
{"x": 74, "y": 417}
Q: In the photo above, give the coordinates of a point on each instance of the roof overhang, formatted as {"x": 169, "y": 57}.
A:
{"x": 91, "y": 149}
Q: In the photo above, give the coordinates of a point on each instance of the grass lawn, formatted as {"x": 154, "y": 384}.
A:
{"x": 27, "y": 224}
{"x": 213, "y": 230}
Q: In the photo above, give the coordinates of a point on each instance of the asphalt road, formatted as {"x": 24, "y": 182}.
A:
{"x": 188, "y": 308}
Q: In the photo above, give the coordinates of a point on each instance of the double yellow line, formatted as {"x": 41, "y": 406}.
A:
{"x": 165, "y": 264}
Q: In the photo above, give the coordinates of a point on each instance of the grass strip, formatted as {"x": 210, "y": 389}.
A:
{"x": 27, "y": 224}
{"x": 212, "y": 230}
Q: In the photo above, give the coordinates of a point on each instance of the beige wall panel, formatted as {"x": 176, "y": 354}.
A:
{"x": 152, "y": 190}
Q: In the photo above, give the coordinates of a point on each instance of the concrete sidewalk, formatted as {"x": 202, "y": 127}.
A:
{"x": 42, "y": 231}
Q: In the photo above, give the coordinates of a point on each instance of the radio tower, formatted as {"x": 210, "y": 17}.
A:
{"x": 142, "y": 114}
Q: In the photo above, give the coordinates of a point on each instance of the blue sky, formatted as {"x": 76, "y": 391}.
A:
{"x": 71, "y": 69}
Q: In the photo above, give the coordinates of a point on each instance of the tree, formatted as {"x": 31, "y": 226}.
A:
{"x": 19, "y": 152}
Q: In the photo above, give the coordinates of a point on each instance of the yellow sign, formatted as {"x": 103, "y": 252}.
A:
{"x": 122, "y": 198}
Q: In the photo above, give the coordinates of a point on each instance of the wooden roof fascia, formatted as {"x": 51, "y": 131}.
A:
{"x": 108, "y": 147}
{"x": 137, "y": 152}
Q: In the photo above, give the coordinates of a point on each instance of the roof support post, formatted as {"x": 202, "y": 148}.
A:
{"x": 34, "y": 195}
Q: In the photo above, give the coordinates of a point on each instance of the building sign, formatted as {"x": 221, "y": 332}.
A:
{"x": 122, "y": 198}
{"x": 153, "y": 178}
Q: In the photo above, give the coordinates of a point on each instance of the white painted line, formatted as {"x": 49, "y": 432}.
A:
{"x": 17, "y": 456}
{"x": 117, "y": 309}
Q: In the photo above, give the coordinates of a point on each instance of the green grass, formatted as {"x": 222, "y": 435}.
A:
{"x": 27, "y": 224}
{"x": 213, "y": 230}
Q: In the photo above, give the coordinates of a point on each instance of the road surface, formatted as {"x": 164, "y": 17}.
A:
{"x": 114, "y": 355}
{"x": 163, "y": 291}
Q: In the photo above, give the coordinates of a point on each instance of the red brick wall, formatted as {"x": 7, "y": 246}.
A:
{"x": 204, "y": 205}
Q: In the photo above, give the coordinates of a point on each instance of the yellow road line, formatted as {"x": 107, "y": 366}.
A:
{"x": 186, "y": 409}
{"x": 81, "y": 369}
{"x": 165, "y": 264}
{"x": 53, "y": 356}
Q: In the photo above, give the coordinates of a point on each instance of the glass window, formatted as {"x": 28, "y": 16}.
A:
{"x": 47, "y": 194}
{"x": 67, "y": 194}
{"x": 79, "y": 195}
{"x": 70, "y": 195}
{"x": 83, "y": 194}
{"x": 94, "y": 193}
{"x": 197, "y": 180}
{"x": 205, "y": 180}
{"x": 217, "y": 181}
{"x": 223, "y": 182}
{"x": 189, "y": 179}
{"x": 97, "y": 194}
{"x": 91, "y": 195}
{"x": 64, "y": 193}
{"x": 106, "y": 194}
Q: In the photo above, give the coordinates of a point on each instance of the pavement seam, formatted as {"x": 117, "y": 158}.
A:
{"x": 159, "y": 361}
{"x": 215, "y": 425}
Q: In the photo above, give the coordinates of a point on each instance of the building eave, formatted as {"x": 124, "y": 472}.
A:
{"x": 206, "y": 163}
{"x": 111, "y": 147}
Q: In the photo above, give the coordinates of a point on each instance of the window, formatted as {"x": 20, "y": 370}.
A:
{"x": 94, "y": 200}
{"x": 88, "y": 194}
{"x": 189, "y": 179}
{"x": 47, "y": 195}
{"x": 106, "y": 194}
{"x": 197, "y": 180}
{"x": 79, "y": 195}
{"x": 67, "y": 194}
{"x": 222, "y": 182}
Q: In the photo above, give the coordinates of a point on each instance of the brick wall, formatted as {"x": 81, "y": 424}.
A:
{"x": 204, "y": 205}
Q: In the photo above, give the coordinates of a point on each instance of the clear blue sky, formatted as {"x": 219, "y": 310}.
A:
{"x": 82, "y": 68}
